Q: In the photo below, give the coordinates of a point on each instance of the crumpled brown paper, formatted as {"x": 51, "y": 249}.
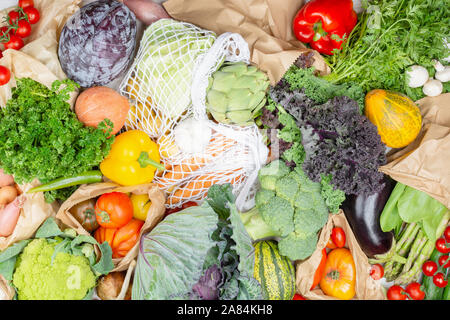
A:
{"x": 266, "y": 25}
{"x": 6, "y": 291}
{"x": 85, "y": 192}
{"x": 425, "y": 163}
{"x": 38, "y": 59}
{"x": 33, "y": 213}
{"x": 366, "y": 287}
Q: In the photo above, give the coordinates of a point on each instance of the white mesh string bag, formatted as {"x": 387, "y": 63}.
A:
{"x": 167, "y": 86}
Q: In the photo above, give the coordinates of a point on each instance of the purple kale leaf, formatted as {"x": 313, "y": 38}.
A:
{"x": 345, "y": 144}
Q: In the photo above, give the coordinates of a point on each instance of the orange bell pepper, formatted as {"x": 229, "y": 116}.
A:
{"x": 339, "y": 277}
{"x": 121, "y": 240}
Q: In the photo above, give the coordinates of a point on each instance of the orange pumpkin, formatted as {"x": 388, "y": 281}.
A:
{"x": 395, "y": 115}
{"x": 339, "y": 275}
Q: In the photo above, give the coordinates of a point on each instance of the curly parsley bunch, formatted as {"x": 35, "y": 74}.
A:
{"x": 41, "y": 137}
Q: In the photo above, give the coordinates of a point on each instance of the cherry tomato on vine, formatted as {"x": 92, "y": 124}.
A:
{"x": 338, "y": 237}
{"x": 396, "y": 293}
{"x": 26, "y": 3}
{"x": 441, "y": 246}
{"x": 15, "y": 42}
{"x": 447, "y": 234}
{"x": 442, "y": 260}
{"x": 5, "y": 74}
{"x": 415, "y": 291}
{"x": 23, "y": 29}
{"x": 33, "y": 14}
{"x": 429, "y": 268}
{"x": 377, "y": 271}
{"x": 439, "y": 280}
{"x": 4, "y": 31}
{"x": 13, "y": 17}
{"x": 113, "y": 210}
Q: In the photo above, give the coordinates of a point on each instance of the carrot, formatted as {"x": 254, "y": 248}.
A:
{"x": 197, "y": 186}
{"x": 179, "y": 172}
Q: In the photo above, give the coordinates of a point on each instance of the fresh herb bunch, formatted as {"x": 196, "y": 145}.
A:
{"x": 389, "y": 37}
{"x": 41, "y": 137}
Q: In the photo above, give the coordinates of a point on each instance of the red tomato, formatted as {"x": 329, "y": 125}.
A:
{"x": 330, "y": 244}
{"x": 5, "y": 75}
{"x": 441, "y": 246}
{"x": 5, "y": 31}
{"x": 113, "y": 210}
{"x": 299, "y": 297}
{"x": 415, "y": 291}
{"x": 26, "y": 3}
{"x": 32, "y": 14}
{"x": 447, "y": 234}
{"x": 396, "y": 293}
{"x": 14, "y": 16}
{"x": 1, "y": 55}
{"x": 14, "y": 42}
{"x": 377, "y": 271}
{"x": 338, "y": 237}
{"x": 442, "y": 260}
{"x": 439, "y": 280}
{"x": 183, "y": 206}
{"x": 429, "y": 268}
{"x": 23, "y": 29}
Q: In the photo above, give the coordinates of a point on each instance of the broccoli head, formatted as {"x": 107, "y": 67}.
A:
{"x": 42, "y": 273}
{"x": 292, "y": 206}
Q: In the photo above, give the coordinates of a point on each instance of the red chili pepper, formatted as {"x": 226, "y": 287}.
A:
{"x": 324, "y": 24}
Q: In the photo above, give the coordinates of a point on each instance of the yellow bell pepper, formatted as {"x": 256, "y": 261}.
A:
{"x": 133, "y": 159}
{"x": 141, "y": 205}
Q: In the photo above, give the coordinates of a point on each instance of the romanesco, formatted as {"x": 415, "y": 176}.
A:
{"x": 293, "y": 207}
{"x": 36, "y": 277}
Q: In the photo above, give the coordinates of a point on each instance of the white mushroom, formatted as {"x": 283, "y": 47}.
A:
{"x": 438, "y": 66}
{"x": 432, "y": 88}
{"x": 444, "y": 75}
{"x": 416, "y": 76}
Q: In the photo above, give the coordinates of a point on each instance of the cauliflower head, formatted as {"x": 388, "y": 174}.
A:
{"x": 37, "y": 277}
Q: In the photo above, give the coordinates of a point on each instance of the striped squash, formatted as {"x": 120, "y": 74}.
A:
{"x": 275, "y": 273}
{"x": 396, "y": 117}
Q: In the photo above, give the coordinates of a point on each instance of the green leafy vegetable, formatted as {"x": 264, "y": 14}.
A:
{"x": 409, "y": 205}
{"x": 41, "y": 137}
{"x": 391, "y": 36}
{"x": 199, "y": 253}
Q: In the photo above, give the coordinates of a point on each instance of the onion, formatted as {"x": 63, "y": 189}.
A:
{"x": 146, "y": 10}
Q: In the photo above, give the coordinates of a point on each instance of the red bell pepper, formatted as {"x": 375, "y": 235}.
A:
{"x": 325, "y": 24}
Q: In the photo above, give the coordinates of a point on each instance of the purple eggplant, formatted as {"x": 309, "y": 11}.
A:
{"x": 363, "y": 214}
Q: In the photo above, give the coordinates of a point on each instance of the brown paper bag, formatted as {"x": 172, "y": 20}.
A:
{"x": 266, "y": 25}
{"x": 33, "y": 213}
{"x": 6, "y": 291}
{"x": 38, "y": 59}
{"x": 366, "y": 287}
{"x": 85, "y": 192}
{"x": 425, "y": 164}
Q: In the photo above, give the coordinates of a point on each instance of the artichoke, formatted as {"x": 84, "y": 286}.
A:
{"x": 236, "y": 92}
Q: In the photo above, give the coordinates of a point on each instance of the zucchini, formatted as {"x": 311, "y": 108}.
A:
{"x": 432, "y": 292}
{"x": 446, "y": 294}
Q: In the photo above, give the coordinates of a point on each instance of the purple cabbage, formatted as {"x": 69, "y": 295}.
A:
{"x": 97, "y": 43}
